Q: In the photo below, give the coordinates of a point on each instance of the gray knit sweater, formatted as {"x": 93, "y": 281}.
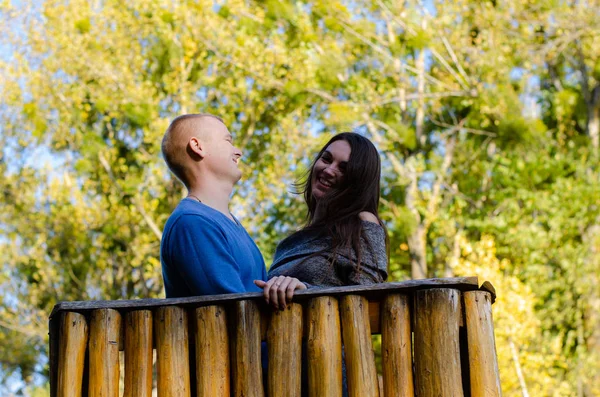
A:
{"x": 317, "y": 271}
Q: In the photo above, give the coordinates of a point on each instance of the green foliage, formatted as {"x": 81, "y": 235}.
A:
{"x": 480, "y": 110}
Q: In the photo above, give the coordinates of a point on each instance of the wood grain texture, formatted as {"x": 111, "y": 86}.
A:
{"x": 370, "y": 291}
{"x": 172, "y": 352}
{"x": 73, "y": 337}
{"x": 376, "y": 295}
{"x": 483, "y": 361}
{"x": 245, "y": 340}
{"x": 488, "y": 287}
{"x": 324, "y": 348}
{"x": 105, "y": 330}
{"x": 138, "y": 354}
{"x": 212, "y": 352}
{"x": 396, "y": 347}
{"x": 284, "y": 341}
{"x": 437, "y": 351}
{"x": 374, "y": 313}
{"x": 53, "y": 341}
{"x": 360, "y": 359}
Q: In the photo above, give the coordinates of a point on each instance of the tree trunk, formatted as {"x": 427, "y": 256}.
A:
{"x": 519, "y": 371}
{"x": 420, "y": 115}
{"x": 417, "y": 249}
{"x": 417, "y": 240}
{"x": 593, "y": 122}
{"x": 454, "y": 258}
{"x": 591, "y": 97}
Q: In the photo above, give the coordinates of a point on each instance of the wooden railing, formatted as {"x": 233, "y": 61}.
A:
{"x": 437, "y": 339}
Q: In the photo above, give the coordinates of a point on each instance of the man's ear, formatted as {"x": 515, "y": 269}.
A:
{"x": 196, "y": 147}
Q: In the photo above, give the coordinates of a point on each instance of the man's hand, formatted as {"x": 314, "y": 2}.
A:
{"x": 279, "y": 290}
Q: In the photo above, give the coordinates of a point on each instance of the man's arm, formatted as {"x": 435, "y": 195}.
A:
{"x": 200, "y": 254}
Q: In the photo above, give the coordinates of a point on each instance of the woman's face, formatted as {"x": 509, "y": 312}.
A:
{"x": 328, "y": 172}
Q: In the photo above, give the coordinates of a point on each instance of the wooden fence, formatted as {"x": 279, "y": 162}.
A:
{"x": 437, "y": 339}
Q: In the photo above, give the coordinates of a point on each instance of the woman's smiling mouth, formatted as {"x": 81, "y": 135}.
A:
{"x": 325, "y": 182}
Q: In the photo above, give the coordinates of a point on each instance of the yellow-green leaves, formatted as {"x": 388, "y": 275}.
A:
{"x": 479, "y": 109}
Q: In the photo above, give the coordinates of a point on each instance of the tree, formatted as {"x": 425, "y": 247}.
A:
{"x": 474, "y": 181}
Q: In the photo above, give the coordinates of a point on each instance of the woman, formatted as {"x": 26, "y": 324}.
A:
{"x": 344, "y": 241}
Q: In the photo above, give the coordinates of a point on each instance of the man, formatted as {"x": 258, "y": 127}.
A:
{"x": 204, "y": 249}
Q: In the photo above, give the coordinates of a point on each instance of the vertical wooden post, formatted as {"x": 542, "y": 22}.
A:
{"x": 172, "y": 352}
{"x": 54, "y": 328}
{"x": 360, "y": 360}
{"x": 138, "y": 354}
{"x": 324, "y": 348}
{"x": 212, "y": 352}
{"x": 71, "y": 358}
{"x": 246, "y": 353}
{"x": 483, "y": 362}
{"x": 284, "y": 341}
{"x": 396, "y": 347}
{"x": 437, "y": 352}
{"x": 105, "y": 332}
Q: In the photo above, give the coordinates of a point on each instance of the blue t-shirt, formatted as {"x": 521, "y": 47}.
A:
{"x": 203, "y": 252}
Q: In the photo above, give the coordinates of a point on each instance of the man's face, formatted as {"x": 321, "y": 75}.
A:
{"x": 221, "y": 156}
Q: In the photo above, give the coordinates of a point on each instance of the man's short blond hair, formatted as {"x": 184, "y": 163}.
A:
{"x": 174, "y": 144}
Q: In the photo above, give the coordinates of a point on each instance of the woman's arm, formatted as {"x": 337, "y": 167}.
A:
{"x": 374, "y": 262}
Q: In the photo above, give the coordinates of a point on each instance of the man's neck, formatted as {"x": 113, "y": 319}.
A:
{"x": 217, "y": 197}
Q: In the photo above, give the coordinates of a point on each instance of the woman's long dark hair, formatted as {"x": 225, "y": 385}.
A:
{"x": 338, "y": 211}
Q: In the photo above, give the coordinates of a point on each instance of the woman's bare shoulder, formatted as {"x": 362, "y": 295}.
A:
{"x": 368, "y": 216}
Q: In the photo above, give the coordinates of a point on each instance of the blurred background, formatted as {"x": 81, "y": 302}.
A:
{"x": 486, "y": 114}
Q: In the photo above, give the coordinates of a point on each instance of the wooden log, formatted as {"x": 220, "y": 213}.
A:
{"x": 284, "y": 341}
{"x": 54, "y": 328}
{"x": 212, "y": 352}
{"x": 374, "y": 317}
{"x": 360, "y": 360}
{"x": 437, "y": 352}
{"x": 172, "y": 352}
{"x": 138, "y": 354}
{"x": 73, "y": 337}
{"x": 324, "y": 348}
{"x": 464, "y": 356}
{"x": 246, "y": 350}
{"x": 373, "y": 292}
{"x": 396, "y": 347}
{"x": 483, "y": 361}
{"x": 373, "y": 320}
{"x": 105, "y": 330}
